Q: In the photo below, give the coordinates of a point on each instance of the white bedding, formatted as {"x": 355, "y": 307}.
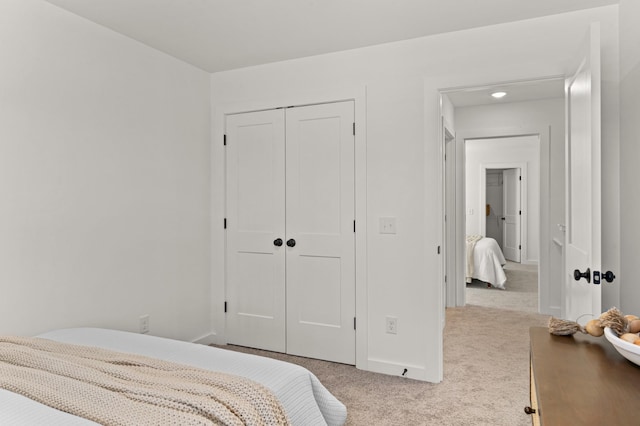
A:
{"x": 488, "y": 262}
{"x": 305, "y": 399}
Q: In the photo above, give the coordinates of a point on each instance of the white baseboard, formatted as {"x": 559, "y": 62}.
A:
{"x": 416, "y": 372}
{"x": 207, "y": 339}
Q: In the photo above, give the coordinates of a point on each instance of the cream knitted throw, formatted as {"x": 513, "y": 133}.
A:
{"x": 114, "y": 388}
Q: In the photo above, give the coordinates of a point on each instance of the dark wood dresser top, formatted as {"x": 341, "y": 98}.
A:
{"x": 583, "y": 380}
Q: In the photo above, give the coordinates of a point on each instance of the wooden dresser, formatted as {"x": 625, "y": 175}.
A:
{"x": 581, "y": 380}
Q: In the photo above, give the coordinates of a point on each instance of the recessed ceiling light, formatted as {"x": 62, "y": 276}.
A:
{"x": 499, "y": 95}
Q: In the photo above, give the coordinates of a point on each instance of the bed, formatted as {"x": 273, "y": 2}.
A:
{"x": 485, "y": 261}
{"x": 304, "y": 399}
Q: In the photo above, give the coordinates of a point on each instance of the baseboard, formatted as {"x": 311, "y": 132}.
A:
{"x": 207, "y": 339}
{"x": 416, "y": 372}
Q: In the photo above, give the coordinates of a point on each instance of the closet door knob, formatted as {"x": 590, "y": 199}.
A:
{"x": 291, "y": 243}
{"x": 608, "y": 276}
{"x": 277, "y": 242}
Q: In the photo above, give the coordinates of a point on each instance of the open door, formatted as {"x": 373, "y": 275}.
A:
{"x": 582, "y": 293}
{"x": 511, "y": 242}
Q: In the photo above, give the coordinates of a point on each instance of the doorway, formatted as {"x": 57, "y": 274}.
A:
{"x": 526, "y": 115}
{"x": 503, "y": 212}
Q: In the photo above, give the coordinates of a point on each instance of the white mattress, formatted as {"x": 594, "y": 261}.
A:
{"x": 488, "y": 262}
{"x": 305, "y": 399}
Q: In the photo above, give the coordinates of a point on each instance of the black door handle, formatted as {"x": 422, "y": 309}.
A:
{"x": 586, "y": 275}
{"x": 277, "y": 242}
{"x": 608, "y": 276}
{"x": 291, "y": 243}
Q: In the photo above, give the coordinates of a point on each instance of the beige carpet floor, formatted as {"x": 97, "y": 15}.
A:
{"x": 521, "y": 290}
{"x": 486, "y": 376}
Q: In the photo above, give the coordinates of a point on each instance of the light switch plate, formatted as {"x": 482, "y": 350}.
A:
{"x": 387, "y": 225}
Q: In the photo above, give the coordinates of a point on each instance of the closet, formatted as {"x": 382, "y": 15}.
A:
{"x": 290, "y": 230}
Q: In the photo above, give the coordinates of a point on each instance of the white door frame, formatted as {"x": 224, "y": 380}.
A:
{"x": 456, "y": 290}
{"x": 356, "y": 93}
{"x": 450, "y": 215}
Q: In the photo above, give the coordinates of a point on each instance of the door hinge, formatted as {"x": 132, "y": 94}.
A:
{"x": 519, "y": 247}
{"x": 520, "y": 212}
{"x": 354, "y": 226}
{"x": 225, "y": 223}
{"x": 354, "y": 323}
{"x": 354, "y": 129}
{"x": 225, "y": 307}
{"x": 438, "y": 249}
{"x": 519, "y": 177}
{"x": 224, "y": 140}
{"x": 445, "y": 279}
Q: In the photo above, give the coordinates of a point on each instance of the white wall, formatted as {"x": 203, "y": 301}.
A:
{"x": 627, "y": 278}
{"x": 403, "y": 154}
{"x": 104, "y": 147}
{"x": 507, "y": 152}
{"x": 540, "y": 115}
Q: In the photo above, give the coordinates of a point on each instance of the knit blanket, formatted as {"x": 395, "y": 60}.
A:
{"x": 114, "y": 388}
{"x": 471, "y": 245}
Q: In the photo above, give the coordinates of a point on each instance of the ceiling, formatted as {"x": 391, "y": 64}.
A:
{"x": 516, "y": 92}
{"x": 217, "y": 35}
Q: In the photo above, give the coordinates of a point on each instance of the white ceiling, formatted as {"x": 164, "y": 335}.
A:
{"x": 217, "y": 35}
{"x": 516, "y": 92}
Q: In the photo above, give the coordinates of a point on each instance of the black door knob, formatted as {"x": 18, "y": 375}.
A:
{"x": 291, "y": 243}
{"x": 277, "y": 242}
{"x": 586, "y": 275}
{"x": 608, "y": 276}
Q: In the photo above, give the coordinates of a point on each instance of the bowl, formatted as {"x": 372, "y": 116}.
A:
{"x": 628, "y": 350}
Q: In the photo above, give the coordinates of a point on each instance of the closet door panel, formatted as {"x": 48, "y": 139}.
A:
{"x": 320, "y": 213}
{"x": 255, "y": 219}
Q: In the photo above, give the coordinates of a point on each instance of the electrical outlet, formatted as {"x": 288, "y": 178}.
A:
{"x": 144, "y": 324}
{"x": 392, "y": 325}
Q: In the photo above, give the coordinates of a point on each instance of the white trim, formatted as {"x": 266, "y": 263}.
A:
{"x": 396, "y": 369}
{"x": 207, "y": 339}
{"x": 358, "y": 94}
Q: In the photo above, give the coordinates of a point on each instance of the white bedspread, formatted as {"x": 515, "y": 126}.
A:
{"x": 488, "y": 262}
{"x": 305, "y": 399}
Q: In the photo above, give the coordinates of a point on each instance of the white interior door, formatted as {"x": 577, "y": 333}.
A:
{"x": 255, "y": 221}
{"x": 320, "y": 219}
{"x": 583, "y": 216}
{"x": 511, "y": 243}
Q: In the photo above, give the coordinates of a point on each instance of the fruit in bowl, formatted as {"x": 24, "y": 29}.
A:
{"x": 623, "y": 344}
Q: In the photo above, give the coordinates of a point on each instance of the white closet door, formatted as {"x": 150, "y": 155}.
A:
{"x": 255, "y": 221}
{"x": 320, "y": 218}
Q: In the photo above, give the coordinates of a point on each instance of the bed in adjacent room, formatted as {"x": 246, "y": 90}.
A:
{"x": 485, "y": 261}
{"x": 296, "y": 391}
